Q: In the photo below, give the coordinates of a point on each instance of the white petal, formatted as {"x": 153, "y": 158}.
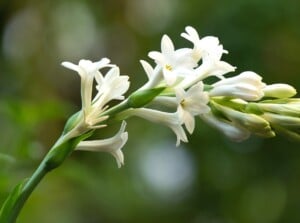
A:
{"x": 167, "y": 46}
{"x": 111, "y": 145}
{"x": 70, "y": 66}
{"x": 148, "y": 68}
{"x": 170, "y": 120}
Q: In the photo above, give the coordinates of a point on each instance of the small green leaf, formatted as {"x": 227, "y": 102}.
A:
{"x": 140, "y": 98}
{"x": 9, "y": 212}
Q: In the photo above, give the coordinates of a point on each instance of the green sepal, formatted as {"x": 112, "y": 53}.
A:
{"x": 141, "y": 98}
{"x": 6, "y": 215}
{"x": 290, "y": 134}
{"x": 72, "y": 122}
{"x": 254, "y": 109}
{"x": 60, "y": 152}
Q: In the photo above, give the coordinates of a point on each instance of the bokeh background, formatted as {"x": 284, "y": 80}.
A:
{"x": 210, "y": 179}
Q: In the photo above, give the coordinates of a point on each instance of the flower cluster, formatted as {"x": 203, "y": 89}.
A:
{"x": 109, "y": 87}
{"x": 176, "y": 93}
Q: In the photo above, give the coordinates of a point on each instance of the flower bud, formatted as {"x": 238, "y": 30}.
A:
{"x": 251, "y": 122}
{"x": 142, "y": 97}
{"x": 279, "y": 91}
{"x": 247, "y": 86}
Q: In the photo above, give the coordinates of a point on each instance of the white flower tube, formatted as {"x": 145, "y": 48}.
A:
{"x": 247, "y": 86}
{"x": 229, "y": 129}
{"x": 170, "y": 120}
{"x": 111, "y": 145}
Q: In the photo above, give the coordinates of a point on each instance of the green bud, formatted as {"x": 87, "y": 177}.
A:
{"x": 141, "y": 98}
{"x": 254, "y": 109}
{"x": 279, "y": 91}
{"x": 72, "y": 122}
{"x": 293, "y": 135}
{"x": 62, "y": 150}
{"x": 251, "y": 122}
{"x": 281, "y": 109}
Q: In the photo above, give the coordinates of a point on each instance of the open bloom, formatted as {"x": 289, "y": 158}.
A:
{"x": 111, "y": 145}
{"x": 210, "y": 51}
{"x": 190, "y": 103}
{"x": 207, "y": 47}
{"x": 111, "y": 86}
{"x": 170, "y": 120}
{"x": 247, "y": 86}
{"x": 174, "y": 63}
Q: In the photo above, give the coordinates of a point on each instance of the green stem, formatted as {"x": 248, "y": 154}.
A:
{"x": 54, "y": 158}
{"x": 11, "y": 210}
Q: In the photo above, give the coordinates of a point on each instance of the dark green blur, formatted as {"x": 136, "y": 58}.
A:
{"x": 209, "y": 180}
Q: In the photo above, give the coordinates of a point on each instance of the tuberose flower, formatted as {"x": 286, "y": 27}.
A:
{"x": 207, "y": 47}
{"x": 111, "y": 86}
{"x": 111, "y": 145}
{"x": 190, "y": 103}
{"x": 170, "y": 120}
{"x": 174, "y": 63}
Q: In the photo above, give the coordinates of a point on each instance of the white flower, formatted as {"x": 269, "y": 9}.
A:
{"x": 205, "y": 48}
{"x": 247, "y": 86}
{"x": 210, "y": 51}
{"x": 111, "y": 145}
{"x": 279, "y": 91}
{"x": 174, "y": 63}
{"x": 87, "y": 71}
{"x": 229, "y": 129}
{"x": 170, "y": 120}
{"x": 190, "y": 103}
{"x": 110, "y": 87}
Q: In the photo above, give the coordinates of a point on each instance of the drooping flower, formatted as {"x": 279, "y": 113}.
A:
{"x": 111, "y": 145}
{"x": 191, "y": 103}
{"x": 170, "y": 120}
{"x": 247, "y": 86}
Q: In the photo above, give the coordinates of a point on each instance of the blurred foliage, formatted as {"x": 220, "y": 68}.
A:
{"x": 209, "y": 180}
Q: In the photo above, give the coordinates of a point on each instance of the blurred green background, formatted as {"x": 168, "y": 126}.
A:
{"x": 210, "y": 179}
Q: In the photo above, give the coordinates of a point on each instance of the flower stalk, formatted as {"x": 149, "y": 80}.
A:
{"x": 175, "y": 94}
